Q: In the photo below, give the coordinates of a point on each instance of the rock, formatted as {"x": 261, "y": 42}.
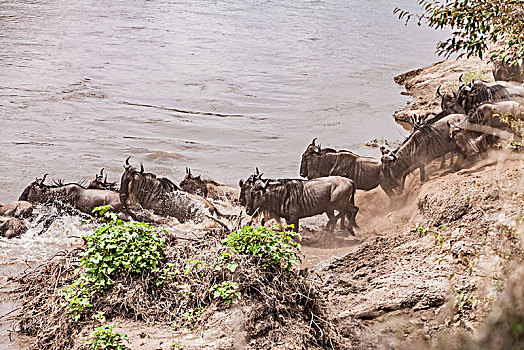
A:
{"x": 11, "y": 227}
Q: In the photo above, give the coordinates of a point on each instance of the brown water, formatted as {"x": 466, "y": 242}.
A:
{"x": 219, "y": 86}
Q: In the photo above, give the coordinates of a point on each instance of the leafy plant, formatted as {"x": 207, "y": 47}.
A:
{"x": 103, "y": 337}
{"x": 475, "y": 24}
{"x": 265, "y": 242}
{"x": 227, "y": 290}
{"x": 113, "y": 249}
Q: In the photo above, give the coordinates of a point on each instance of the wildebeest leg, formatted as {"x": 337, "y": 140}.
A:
{"x": 451, "y": 154}
{"x": 332, "y": 219}
{"x": 421, "y": 168}
{"x": 458, "y": 163}
{"x": 352, "y": 214}
{"x": 294, "y": 222}
{"x": 442, "y": 161}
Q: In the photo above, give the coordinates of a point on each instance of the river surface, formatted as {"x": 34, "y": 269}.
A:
{"x": 218, "y": 86}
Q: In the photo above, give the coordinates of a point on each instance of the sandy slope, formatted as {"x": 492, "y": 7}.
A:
{"x": 399, "y": 286}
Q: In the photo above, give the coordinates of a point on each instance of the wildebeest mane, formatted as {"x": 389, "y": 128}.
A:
{"x": 148, "y": 188}
{"x": 60, "y": 183}
{"x": 332, "y": 150}
{"x": 483, "y": 94}
{"x": 418, "y": 141}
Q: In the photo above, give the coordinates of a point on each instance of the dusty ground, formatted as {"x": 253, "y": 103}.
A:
{"x": 400, "y": 285}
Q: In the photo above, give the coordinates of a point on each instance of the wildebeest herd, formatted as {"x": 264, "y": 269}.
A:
{"x": 473, "y": 119}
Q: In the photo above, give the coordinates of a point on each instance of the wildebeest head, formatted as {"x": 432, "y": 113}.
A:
{"x": 130, "y": 174}
{"x": 37, "y": 191}
{"x": 100, "y": 183}
{"x": 309, "y": 154}
{"x": 246, "y": 185}
{"x": 193, "y": 184}
{"x": 253, "y": 196}
{"x": 503, "y": 71}
{"x": 447, "y": 99}
{"x": 388, "y": 180}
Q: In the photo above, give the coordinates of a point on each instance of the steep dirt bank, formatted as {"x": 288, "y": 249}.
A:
{"x": 407, "y": 284}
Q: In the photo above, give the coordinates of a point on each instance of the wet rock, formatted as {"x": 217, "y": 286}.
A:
{"x": 11, "y": 227}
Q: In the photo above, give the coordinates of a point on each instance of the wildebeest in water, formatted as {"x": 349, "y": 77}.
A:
{"x": 208, "y": 188}
{"x": 100, "y": 183}
{"x": 141, "y": 190}
{"x": 72, "y": 194}
{"x": 297, "y": 199}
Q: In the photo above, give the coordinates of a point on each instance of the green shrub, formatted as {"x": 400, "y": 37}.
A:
{"x": 114, "y": 249}
{"x": 265, "y": 242}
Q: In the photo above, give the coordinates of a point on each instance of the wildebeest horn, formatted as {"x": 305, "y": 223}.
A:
{"x": 43, "y": 179}
{"x": 141, "y": 168}
{"x": 313, "y": 142}
{"x": 127, "y": 161}
{"x": 257, "y": 172}
{"x": 189, "y": 171}
{"x": 438, "y": 91}
{"x": 102, "y": 172}
{"x": 460, "y": 78}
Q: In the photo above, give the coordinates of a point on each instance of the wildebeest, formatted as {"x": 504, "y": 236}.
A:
{"x": 466, "y": 99}
{"x": 490, "y": 121}
{"x": 422, "y": 146}
{"x": 297, "y": 199}
{"x": 74, "y": 195}
{"x": 141, "y": 190}
{"x": 479, "y": 92}
{"x": 100, "y": 183}
{"x": 20, "y": 209}
{"x": 504, "y": 71}
{"x": 365, "y": 172}
{"x": 208, "y": 188}
{"x": 11, "y": 227}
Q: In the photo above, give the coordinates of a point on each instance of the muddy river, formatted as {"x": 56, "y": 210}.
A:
{"x": 219, "y": 86}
